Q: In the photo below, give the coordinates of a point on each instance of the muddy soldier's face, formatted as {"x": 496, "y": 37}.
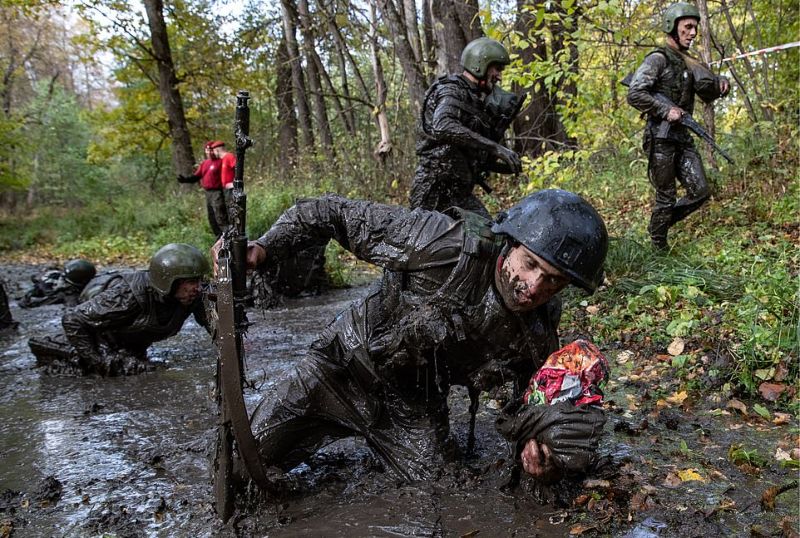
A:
{"x": 494, "y": 74}
{"x": 687, "y": 31}
{"x": 526, "y": 281}
{"x": 187, "y": 290}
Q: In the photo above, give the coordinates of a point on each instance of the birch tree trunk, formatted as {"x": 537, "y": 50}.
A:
{"x": 384, "y": 147}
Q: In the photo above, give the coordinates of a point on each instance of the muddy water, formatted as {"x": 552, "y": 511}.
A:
{"x": 130, "y": 457}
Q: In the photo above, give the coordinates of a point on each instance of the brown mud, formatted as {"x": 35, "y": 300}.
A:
{"x": 131, "y": 456}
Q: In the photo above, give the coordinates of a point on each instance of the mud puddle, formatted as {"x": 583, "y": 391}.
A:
{"x": 130, "y": 456}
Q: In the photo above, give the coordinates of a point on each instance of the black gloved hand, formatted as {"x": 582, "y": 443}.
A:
{"x": 509, "y": 157}
{"x": 187, "y": 179}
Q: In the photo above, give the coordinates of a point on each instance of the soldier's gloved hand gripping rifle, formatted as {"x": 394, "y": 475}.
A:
{"x": 234, "y": 433}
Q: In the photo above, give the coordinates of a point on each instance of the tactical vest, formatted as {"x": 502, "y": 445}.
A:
{"x": 676, "y": 80}
{"x": 473, "y": 113}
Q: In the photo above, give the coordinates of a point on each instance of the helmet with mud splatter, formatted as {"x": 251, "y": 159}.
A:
{"x": 480, "y": 53}
{"x": 79, "y": 272}
{"x": 563, "y": 229}
{"x": 173, "y": 262}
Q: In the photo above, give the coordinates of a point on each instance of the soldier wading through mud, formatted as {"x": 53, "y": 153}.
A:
{"x": 672, "y": 155}
{"x": 464, "y": 118}
{"x": 124, "y": 313}
{"x": 462, "y": 301}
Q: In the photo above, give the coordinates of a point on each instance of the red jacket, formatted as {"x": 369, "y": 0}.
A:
{"x": 228, "y": 168}
{"x": 210, "y": 174}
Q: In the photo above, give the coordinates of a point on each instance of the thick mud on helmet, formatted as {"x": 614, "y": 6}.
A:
{"x": 79, "y": 272}
{"x": 564, "y": 230}
{"x": 175, "y": 261}
{"x": 675, "y": 12}
{"x": 482, "y": 52}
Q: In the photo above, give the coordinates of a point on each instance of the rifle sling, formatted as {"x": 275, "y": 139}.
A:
{"x": 231, "y": 378}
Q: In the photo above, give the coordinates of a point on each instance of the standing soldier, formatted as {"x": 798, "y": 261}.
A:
{"x": 672, "y": 154}
{"x": 209, "y": 174}
{"x": 464, "y": 118}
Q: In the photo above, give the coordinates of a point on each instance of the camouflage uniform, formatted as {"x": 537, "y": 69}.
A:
{"x": 383, "y": 368}
{"x": 109, "y": 333}
{"x": 673, "y": 156}
{"x": 458, "y": 130}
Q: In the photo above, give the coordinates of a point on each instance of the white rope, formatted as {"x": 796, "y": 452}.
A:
{"x": 758, "y": 52}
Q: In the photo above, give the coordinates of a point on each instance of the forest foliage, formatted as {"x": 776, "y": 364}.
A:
{"x": 89, "y": 146}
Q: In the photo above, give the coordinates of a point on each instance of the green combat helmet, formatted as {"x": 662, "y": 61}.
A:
{"x": 564, "y": 230}
{"x": 480, "y": 53}
{"x": 173, "y": 262}
{"x": 675, "y": 12}
{"x": 79, "y": 272}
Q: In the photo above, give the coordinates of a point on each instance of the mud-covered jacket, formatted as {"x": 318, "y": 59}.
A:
{"x": 666, "y": 71}
{"x": 457, "y": 127}
{"x": 436, "y": 319}
{"x": 129, "y": 313}
{"x": 52, "y": 287}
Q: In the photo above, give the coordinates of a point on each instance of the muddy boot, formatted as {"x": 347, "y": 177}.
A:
{"x": 55, "y": 355}
{"x": 659, "y": 227}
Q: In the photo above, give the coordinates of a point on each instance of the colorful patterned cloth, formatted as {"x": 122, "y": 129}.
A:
{"x": 575, "y": 373}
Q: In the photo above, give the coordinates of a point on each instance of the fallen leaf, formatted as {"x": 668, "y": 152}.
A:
{"x": 663, "y": 357}
{"x": 678, "y": 398}
{"x": 688, "y": 475}
{"x": 592, "y": 309}
{"x": 593, "y": 483}
{"x": 781, "y": 418}
{"x": 672, "y": 480}
{"x": 624, "y": 356}
{"x": 782, "y": 455}
{"x": 577, "y": 530}
{"x": 733, "y": 403}
{"x": 641, "y": 502}
{"x": 771, "y": 391}
{"x": 676, "y": 347}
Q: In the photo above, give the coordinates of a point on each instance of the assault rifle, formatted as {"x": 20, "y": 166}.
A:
{"x": 233, "y": 431}
{"x": 686, "y": 120}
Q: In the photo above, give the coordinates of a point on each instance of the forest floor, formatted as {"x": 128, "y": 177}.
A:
{"x": 131, "y": 456}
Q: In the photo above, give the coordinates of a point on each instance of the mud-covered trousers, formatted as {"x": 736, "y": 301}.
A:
{"x": 671, "y": 161}
{"x": 325, "y": 399}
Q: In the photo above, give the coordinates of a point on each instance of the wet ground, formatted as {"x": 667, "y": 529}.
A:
{"x": 130, "y": 456}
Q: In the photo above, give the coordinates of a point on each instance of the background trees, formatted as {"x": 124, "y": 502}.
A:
{"x": 103, "y": 102}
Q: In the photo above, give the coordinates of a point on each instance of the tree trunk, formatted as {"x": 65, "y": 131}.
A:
{"x": 314, "y": 80}
{"x": 414, "y": 76}
{"x": 287, "y": 119}
{"x": 412, "y": 26}
{"x": 705, "y": 56}
{"x": 455, "y": 23}
{"x": 538, "y": 127}
{"x": 182, "y": 156}
{"x": 298, "y": 81}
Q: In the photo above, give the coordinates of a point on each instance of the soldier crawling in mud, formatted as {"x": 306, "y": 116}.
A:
{"x": 462, "y": 301}
{"x": 463, "y": 120}
{"x": 124, "y": 313}
{"x": 59, "y": 286}
{"x": 670, "y": 71}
